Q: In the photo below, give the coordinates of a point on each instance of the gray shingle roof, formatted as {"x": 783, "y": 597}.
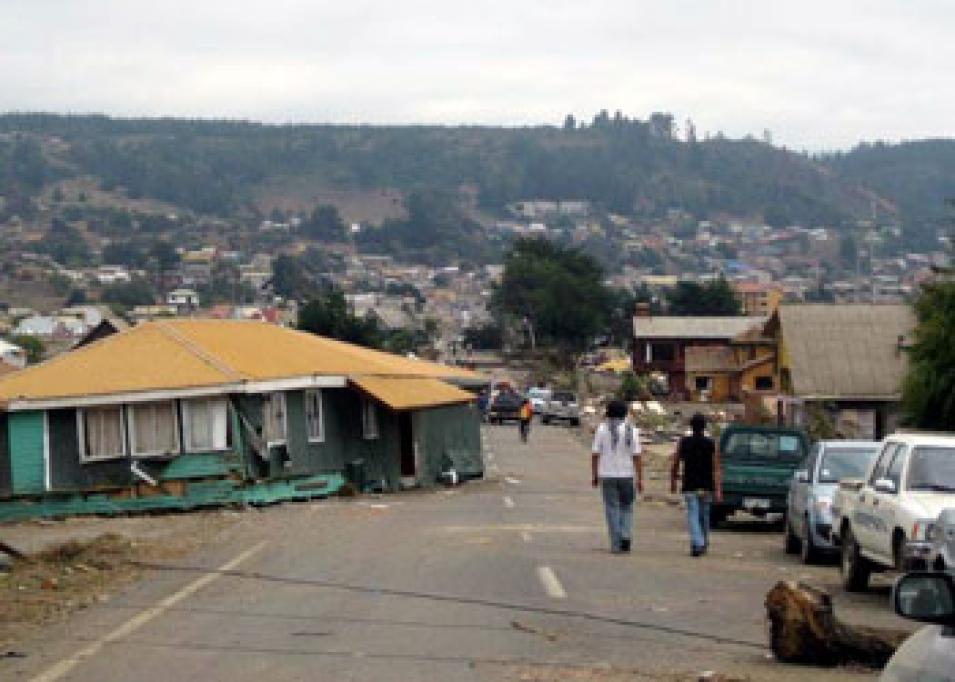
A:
{"x": 846, "y": 351}
{"x": 667, "y": 327}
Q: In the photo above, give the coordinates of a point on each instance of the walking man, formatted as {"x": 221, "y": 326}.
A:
{"x": 615, "y": 463}
{"x": 700, "y": 461}
{"x": 525, "y": 416}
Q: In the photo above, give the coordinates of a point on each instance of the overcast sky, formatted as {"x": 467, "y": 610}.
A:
{"x": 819, "y": 74}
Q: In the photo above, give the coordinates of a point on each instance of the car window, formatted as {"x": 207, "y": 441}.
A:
{"x": 757, "y": 446}
{"x": 932, "y": 469}
{"x": 894, "y": 472}
{"x": 840, "y": 463}
{"x": 882, "y": 466}
{"x": 809, "y": 464}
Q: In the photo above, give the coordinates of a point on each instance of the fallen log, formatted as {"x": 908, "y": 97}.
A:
{"x": 804, "y": 629}
{"x": 12, "y": 551}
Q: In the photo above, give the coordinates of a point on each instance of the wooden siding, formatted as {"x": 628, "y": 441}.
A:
{"x": 26, "y": 452}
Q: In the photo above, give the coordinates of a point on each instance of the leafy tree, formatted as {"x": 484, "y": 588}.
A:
{"x": 712, "y": 298}
{"x": 76, "y": 296}
{"x": 64, "y": 244}
{"x": 124, "y": 295}
{"x": 31, "y": 344}
{"x": 555, "y": 292}
{"x": 329, "y": 315}
{"x": 486, "y": 337}
{"x": 288, "y": 278}
{"x": 165, "y": 256}
{"x": 325, "y": 224}
{"x": 928, "y": 397}
{"x": 124, "y": 253}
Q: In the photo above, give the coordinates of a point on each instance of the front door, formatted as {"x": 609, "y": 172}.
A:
{"x": 408, "y": 464}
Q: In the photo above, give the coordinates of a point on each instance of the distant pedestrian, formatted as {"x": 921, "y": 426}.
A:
{"x": 524, "y": 419}
{"x": 700, "y": 462}
{"x": 616, "y": 464}
{"x": 483, "y": 402}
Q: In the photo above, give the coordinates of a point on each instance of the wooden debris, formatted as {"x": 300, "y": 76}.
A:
{"x": 804, "y": 629}
{"x": 11, "y": 551}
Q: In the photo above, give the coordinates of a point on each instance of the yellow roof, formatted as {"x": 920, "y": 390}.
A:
{"x": 174, "y": 355}
{"x": 618, "y": 365}
{"x": 401, "y": 393}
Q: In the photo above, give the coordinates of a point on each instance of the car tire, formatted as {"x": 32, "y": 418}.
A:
{"x": 718, "y": 516}
{"x": 545, "y": 420}
{"x": 855, "y": 568}
{"x": 575, "y": 422}
{"x": 807, "y": 550}
{"x": 792, "y": 540}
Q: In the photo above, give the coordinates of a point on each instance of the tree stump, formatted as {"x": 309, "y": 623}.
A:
{"x": 804, "y": 629}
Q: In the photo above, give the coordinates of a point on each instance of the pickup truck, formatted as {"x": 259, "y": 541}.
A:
{"x": 562, "y": 406}
{"x": 885, "y": 521}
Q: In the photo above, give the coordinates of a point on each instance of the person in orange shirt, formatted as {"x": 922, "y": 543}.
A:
{"x": 525, "y": 416}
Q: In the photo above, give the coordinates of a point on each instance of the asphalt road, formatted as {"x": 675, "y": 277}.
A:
{"x": 507, "y": 578}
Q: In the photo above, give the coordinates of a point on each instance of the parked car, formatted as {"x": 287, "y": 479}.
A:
{"x": 929, "y": 654}
{"x": 562, "y": 406}
{"x": 505, "y": 406}
{"x": 809, "y": 504}
{"x": 942, "y": 536}
{"x": 757, "y": 464}
{"x": 884, "y": 521}
{"x": 538, "y": 397}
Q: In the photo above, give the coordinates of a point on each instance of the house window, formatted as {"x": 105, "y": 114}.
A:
{"x": 764, "y": 383}
{"x": 273, "y": 418}
{"x": 206, "y": 424}
{"x": 703, "y": 383}
{"x": 101, "y": 433}
{"x": 314, "y": 416}
{"x": 369, "y": 420}
{"x": 153, "y": 428}
{"x": 663, "y": 352}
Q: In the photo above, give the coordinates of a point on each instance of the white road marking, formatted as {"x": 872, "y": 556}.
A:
{"x": 508, "y": 502}
{"x": 512, "y": 480}
{"x": 550, "y": 582}
{"x": 64, "y": 666}
{"x": 525, "y": 536}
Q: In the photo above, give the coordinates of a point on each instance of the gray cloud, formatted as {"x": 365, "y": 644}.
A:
{"x": 817, "y": 74}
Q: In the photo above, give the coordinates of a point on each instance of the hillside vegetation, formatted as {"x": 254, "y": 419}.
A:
{"x": 627, "y": 166}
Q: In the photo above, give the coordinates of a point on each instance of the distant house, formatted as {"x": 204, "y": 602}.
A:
{"x": 760, "y": 300}
{"x": 183, "y": 299}
{"x": 845, "y": 361}
{"x": 743, "y": 368}
{"x": 12, "y": 355}
{"x": 185, "y": 413}
{"x": 661, "y": 342}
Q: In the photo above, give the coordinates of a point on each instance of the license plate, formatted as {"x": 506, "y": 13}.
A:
{"x": 755, "y": 503}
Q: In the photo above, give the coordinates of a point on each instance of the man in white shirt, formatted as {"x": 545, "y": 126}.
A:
{"x": 615, "y": 463}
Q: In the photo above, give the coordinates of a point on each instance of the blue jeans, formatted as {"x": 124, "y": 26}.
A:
{"x": 618, "y": 495}
{"x": 698, "y": 518}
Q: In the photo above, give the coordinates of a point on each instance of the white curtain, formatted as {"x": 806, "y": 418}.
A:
{"x": 103, "y": 432}
{"x": 207, "y": 423}
{"x": 154, "y": 427}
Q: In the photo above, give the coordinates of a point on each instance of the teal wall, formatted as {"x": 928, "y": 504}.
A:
{"x": 25, "y": 432}
{"x": 448, "y": 435}
{"x": 5, "y": 481}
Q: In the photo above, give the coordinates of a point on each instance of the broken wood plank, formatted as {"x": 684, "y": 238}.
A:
{"x": 9, "y": 550}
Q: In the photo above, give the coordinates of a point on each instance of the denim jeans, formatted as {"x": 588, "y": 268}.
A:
{"x": 618, "y": 494}
{"x": 698, "y": 518}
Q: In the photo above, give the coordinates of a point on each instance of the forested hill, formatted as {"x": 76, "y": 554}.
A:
{"x": 624, "y": 165}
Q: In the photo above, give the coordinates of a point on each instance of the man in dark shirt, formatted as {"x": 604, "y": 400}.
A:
{"x": 701, "y": 481}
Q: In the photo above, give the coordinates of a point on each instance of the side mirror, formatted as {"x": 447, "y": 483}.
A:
{"x": 885, "y": 485}
{"x": 925, "y": 597}
{"x": 802, "y": 476}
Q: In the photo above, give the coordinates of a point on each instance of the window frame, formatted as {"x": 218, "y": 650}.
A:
{"x": 131, "y": 421}
{"x": 318, "y": 395}
{"x": 270, "y": 399}
{"x": 881, "y": 466}
{"x": 370, "y": 427}
{"x": 84, "y": 455}
{"x": 187, "y": 445}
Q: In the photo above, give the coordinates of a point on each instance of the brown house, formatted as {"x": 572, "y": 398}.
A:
{"x": 662, "y": 343}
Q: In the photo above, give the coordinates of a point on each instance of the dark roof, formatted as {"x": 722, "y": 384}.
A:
{"x": 846, "y": 351}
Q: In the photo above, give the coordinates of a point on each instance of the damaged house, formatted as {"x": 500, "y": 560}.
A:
{"x": 180, "y": 414}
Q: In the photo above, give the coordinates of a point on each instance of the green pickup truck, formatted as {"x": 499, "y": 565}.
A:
{"x": 757, "y": 464}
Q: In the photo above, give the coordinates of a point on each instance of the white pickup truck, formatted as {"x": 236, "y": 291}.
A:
{"x": 883, "y": 522}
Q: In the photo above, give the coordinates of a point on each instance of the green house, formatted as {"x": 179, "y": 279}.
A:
{"x": 189, "y": 413}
